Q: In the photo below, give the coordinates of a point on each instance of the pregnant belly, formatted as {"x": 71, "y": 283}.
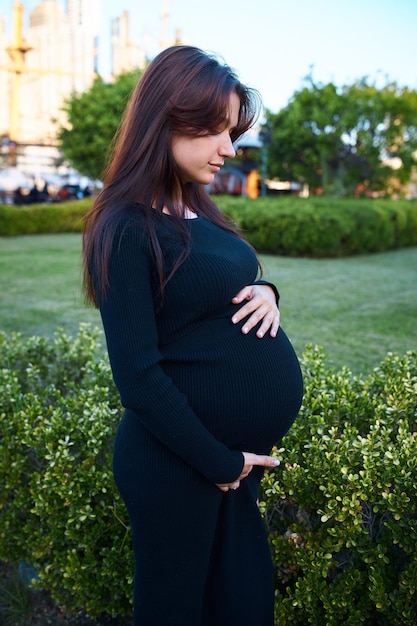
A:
{"x": 246, "y": 390}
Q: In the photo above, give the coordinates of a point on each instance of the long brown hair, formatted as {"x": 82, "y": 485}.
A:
{"x": 184, "y": 91}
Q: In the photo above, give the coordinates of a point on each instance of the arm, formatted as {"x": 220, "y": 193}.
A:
{"x": 132, "y": 340}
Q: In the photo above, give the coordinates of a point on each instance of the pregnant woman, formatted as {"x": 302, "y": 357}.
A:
{"x": 208, "y": 381}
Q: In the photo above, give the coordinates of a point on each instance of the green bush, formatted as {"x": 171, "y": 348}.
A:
{"x": 60, "y": 510}
{"x": 65, "y": 217}
{"x": 341, "y": 509}
{"x": 323, "y": 227}
{"x": 290, "y": 226}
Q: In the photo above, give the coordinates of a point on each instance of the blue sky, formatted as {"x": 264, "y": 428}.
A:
{"x": 273, "y": 44}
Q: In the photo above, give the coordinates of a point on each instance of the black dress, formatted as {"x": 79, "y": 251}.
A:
{"x": 196, "y": 392}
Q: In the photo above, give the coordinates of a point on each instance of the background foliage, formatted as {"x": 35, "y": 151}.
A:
{"x": 342, "y": 139}
{"x": 93, "y": 119}
{"x": 338, "y": 140}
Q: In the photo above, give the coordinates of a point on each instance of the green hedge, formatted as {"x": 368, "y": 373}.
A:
{"x": 324, "y": 227}
{"x": 65, "y": 217}
{"x": 341, "y": 509}
{"x": 314, "y": 227}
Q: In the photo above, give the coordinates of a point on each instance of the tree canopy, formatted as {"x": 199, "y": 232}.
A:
{"x": 354, "y": 139}
{"x": 93, "y": 119}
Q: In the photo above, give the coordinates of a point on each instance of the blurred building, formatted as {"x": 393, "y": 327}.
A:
{"x": 4, "y": 110}
{"x": 125, "y": 54}
{"x": 46, "y": 60}
{"x": 42, "y": 62}
{"x": 4, "y": 60}
{"x": 62, "y": 56}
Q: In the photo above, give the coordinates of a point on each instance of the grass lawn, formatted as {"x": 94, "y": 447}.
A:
{"x": 356, "y": 308}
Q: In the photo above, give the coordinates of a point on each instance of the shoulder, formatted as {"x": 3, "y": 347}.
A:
{"x": 132, "y": 215}
{"x": 129, "y": 246}
{"x": 131, "y": 223}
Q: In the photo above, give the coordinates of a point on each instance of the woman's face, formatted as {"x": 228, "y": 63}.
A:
{"x": 199, "y": 158}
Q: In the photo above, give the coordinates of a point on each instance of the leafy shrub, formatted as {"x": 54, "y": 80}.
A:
{"x": 341, "y": 509}
{"x": 60, "y": 510}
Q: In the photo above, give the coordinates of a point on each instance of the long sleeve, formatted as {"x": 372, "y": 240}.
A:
{"x": 129, "y": 320}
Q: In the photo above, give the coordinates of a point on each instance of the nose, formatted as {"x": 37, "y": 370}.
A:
{"x": 226, "y": 148}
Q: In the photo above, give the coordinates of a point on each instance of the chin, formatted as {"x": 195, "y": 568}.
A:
{"x": 202, "y": 179}
{"x": 206, "y": 180}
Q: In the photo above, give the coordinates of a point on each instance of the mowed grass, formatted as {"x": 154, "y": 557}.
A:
{"x": 357, "y": 309}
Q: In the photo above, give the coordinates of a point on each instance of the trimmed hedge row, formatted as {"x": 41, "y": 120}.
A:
{"x": 314, "y": 227}
{"x": 324, "y": 227}
{"x": 36, "y": 219}
{"x": 341, "y": 509}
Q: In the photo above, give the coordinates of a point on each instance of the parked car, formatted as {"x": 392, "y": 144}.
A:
{"x": 72, "y": 192}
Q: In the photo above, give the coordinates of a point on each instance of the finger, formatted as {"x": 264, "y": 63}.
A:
{"x": 260, "y": 459}
{"x": 243, "y": 294}
{"x": 267, "y": 461}
{"x": 275, "y": 325}
{"x": 261, "y": 314}
{"x": 246, "y": 471}
{"x": 256, "y": 307}
{"x": 231, "y": 486}
{"x": 271, "y": 323}
{"x": 267, "y": 324}
{"x": 246, "y": 310}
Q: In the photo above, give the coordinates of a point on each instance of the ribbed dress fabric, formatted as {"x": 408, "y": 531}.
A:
{"x": 196, "y": 392}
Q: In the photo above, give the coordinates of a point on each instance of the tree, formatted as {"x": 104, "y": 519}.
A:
{"x": 93, "y": 118}
{"x": 345, "y": 140}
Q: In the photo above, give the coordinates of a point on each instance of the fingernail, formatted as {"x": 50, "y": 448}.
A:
{"x": 245, "y": 330}
{"x": 276, "y": 462}
{"x": 234, "y": 320}
{"x": 260, "y": 334}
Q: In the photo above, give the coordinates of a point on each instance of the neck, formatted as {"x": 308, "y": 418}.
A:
{"x": 187, "y": 213}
